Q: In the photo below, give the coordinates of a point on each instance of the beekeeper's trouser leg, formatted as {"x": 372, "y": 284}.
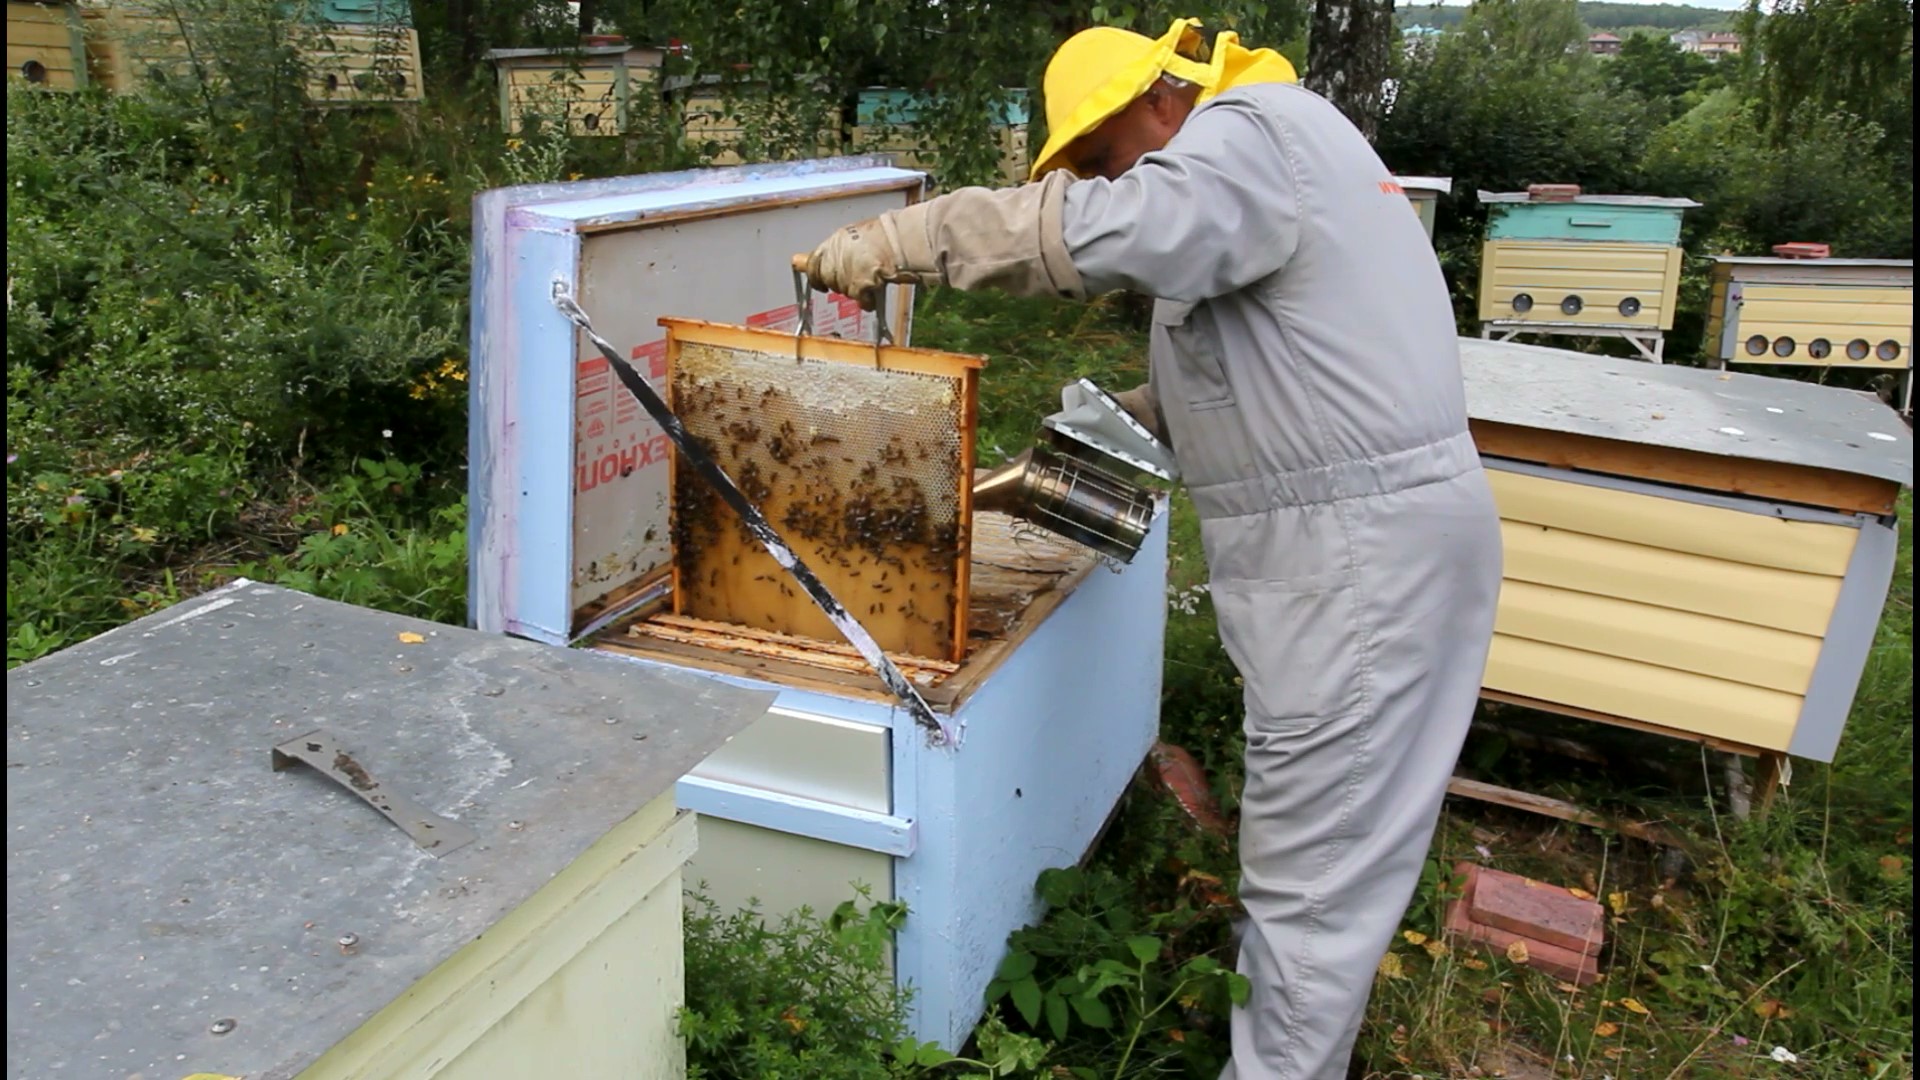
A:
{"x": 1361, "y": 683}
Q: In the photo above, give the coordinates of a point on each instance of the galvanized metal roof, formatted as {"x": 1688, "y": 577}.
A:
{"x": 1732, "y": 414}
{"x": 162, "y": 877}
{"x": 1768, "y": 260}
{"x": 1442, "y": 184}
{"x": 566, "y": 53}
{"x": 1590, "y": 200}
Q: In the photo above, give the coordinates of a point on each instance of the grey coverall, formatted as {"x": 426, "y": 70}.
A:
{"x": 1306, "y": 366}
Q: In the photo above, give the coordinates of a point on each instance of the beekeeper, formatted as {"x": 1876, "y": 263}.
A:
{"x": 1305, "y": 371}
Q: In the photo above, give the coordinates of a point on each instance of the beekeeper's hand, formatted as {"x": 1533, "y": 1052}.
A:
{"x": 1142, "y": 406}
{"x": 860, "y": 261}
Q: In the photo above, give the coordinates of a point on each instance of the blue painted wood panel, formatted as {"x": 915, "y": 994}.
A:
{"x": 1049, "y": 744}
{"x": 878, "y": 106}
{"x": 1579, "y": 221}
{"x": 361, "y": 12}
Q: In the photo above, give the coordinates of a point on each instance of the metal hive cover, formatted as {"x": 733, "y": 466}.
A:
{"x": 1731, "y": 414}
{"x": 861, "y": 458}
{"x": 177, "y": 905}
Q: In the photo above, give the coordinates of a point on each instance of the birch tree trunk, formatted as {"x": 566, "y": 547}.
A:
{"x": 1348, "y": 54}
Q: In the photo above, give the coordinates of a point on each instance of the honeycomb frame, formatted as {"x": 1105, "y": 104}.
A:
{"x": 861, "y": 458}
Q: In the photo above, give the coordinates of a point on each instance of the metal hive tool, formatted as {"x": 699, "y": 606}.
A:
{"x": 859, "y": 455}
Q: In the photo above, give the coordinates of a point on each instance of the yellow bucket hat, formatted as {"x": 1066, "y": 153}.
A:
{"x": 1098, "y": 72}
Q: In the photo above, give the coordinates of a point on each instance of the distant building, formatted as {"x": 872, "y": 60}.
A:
{"x": 1417, "y": 39}
{"x": 1712, "y": 44}
{"x": 1720, "y": 43}
{"x": 1603, "y": 44}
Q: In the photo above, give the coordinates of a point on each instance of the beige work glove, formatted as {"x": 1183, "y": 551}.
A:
{"x": 974, "y": 238}
{"x": 859, "y": 261}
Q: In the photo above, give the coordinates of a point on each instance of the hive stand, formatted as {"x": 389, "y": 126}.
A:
{"x": 1650, "y": 344}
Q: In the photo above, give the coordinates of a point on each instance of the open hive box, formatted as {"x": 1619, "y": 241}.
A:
{"x": 861, "y": 457}
{"x": 691, "y": 272}
{"x": 586, "y": 528}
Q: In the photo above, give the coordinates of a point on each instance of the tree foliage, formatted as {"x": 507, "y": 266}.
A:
{"x": 967, "y": 59}
{"x": 1663, "y": 75}
{"x": 1600, "y": 16}
{"x": 1509, "y": 100}
{"x": 1816, "y": 58}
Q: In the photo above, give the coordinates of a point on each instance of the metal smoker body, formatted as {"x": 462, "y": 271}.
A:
{"x": 1080, "y": 482}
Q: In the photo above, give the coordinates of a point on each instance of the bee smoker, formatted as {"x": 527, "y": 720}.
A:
{"x": 1080, "y": 480}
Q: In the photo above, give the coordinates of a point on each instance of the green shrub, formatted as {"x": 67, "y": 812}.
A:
{"x": 1114, "y": 985}
{"x": 810, "y": 998}
{"x": 382, "y": 540}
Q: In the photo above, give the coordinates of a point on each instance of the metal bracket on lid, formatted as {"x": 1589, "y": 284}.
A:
{"x": 324, "y": 754}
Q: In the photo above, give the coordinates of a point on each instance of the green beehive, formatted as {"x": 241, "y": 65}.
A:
{"x": 886, "y": 121}
{"x": 1559, "y": 262}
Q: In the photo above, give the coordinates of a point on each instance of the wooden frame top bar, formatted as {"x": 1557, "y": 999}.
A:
{"x": 838, "y": 350}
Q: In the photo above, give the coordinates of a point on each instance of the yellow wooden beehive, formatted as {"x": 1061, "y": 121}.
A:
{"x": 1700, "y": 555}
{"x": 129, "y": 46}
{"x": 363, "y": 65}
{"x": 1424, "y": 193}
{"x": 885, "y": 123}
{"x": 730, "y": 124}
{"x": 596, "y": 86}
{"x": 1589, "y": 261}
{"x": 1853, "y": 313}
{"x": 44, "y": 46}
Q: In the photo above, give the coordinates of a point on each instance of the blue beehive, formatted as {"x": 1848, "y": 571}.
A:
{"x": 886, "y": 121}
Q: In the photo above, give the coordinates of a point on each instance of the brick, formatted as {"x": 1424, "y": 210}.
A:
{"x": 1552, "y": 192}
{"x": 1181, "y": 776}
{"x": 1562, "y": 964}
{"x": 1801, "y": 250}
{"x": 1538, "y": 911}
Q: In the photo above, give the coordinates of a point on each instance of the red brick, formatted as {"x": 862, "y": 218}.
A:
{"x": 1802, "y": 250}
{"x": 1540, "y": 912}
{"x": 1552, "y": 960}
{"x": 1552, "y": 192}
{"x": 1181, "y": 776}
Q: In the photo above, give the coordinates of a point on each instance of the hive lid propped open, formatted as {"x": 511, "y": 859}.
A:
{"x": 568, "y": 524}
